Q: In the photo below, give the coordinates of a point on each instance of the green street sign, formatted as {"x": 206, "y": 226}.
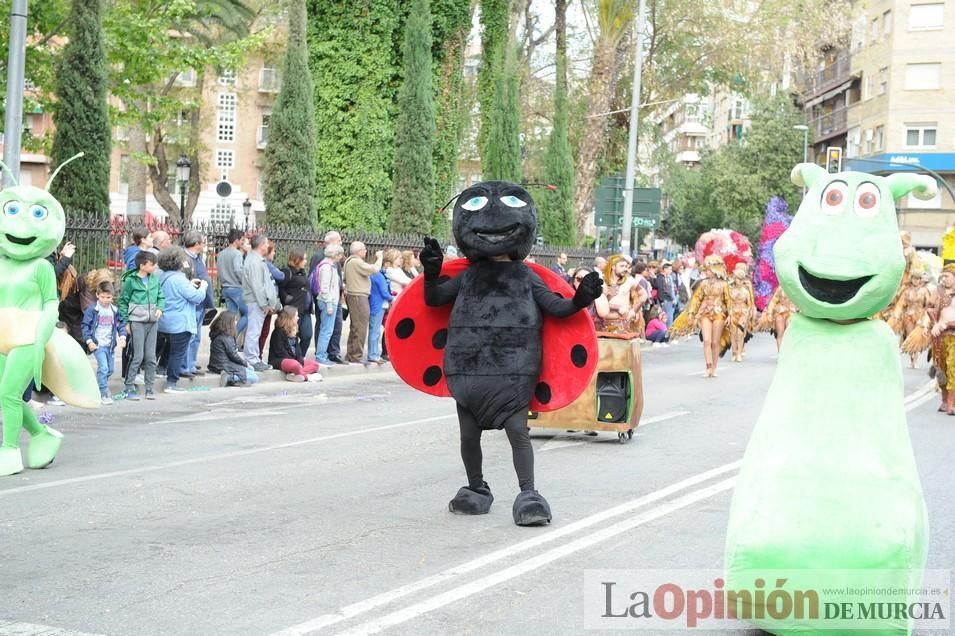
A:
{"x": 639, "y": 221}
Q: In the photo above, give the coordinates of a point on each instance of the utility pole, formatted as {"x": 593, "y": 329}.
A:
{"x": 13, "y": 124}
{"x": 634, "y": 125}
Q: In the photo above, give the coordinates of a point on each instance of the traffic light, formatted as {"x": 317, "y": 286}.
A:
{"x": 834, "y": 159}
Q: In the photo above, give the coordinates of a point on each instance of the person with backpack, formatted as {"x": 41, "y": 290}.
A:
{"x": 294, "y": 292}
{"x": 326, "y": 286}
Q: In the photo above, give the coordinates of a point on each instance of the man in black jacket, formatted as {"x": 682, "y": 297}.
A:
{"x": 666, "y": 293}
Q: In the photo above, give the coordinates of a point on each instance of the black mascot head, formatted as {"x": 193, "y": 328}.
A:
{"x": 494, "y": 218}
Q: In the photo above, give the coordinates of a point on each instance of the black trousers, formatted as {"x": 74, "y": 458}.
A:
{"x": 517, "y": 434}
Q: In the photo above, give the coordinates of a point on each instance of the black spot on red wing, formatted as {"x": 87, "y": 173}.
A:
{"x": 439, "y": 339}
{"x": 432, "y": 375}
{"x": 578, "y": 355}
{"x": 542, "y": 392}
{"x": 404, "y": 328}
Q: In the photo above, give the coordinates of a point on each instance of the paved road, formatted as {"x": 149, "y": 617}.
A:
{"x": 291, "y": 508}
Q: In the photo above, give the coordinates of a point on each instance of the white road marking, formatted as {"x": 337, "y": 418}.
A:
{"x": 12, "y": 628}
{"x": 470, "y": 589}
{"x": 926, "y": 389}
{"x": 720, "y": 369}
{"x": 222, "y": 414}
{"x": 546, "y": 536}
{"x": 661, "y": 418}
{"x": 209, "y": 458}
{"x": 560, "y": 441}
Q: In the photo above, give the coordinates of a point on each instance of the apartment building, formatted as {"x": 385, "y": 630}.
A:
{"x": 905, "y": 116}
{"x": 825, "y": 94}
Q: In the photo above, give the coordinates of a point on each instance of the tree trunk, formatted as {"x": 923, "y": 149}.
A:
{"x": 136, "y": 170}
{"x": 600, "y": 91}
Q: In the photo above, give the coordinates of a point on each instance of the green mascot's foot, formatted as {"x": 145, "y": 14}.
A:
{"x": 10, "y": 461}
{"x": 43, "y": 448}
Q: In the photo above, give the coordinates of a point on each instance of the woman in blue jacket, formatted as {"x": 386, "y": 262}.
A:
{"x": 378, "y": 302}
{"x": 178, "y": 321}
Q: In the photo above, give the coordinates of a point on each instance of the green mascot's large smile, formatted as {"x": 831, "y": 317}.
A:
{"x": 827, "y": 290}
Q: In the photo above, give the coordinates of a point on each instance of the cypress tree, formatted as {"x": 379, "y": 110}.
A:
{"x": 502, "y": 160}
{"x": 494, "y": 23}
{"x": 82, "y": 117}
{"x": 557, "y": 211}
{"x": 412, "y": 203}
{"x": 290, "y": 153}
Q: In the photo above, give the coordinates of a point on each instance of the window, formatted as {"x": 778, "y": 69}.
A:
{"x": 123, "y": 174}
{"x": 262, "y": 135}
{"x": 922, "y": 77}
{"x": 879, "y": 137}
{"x": 225, "y": 118}
{"x": 883, "y": 80}
{"x": 225, "y": 161}
{"x": 858, "y": 34}
{"x": 868, "y": 141}
{"x": 867, "y": 87}
{"x": 920, "y": 135}
{"x": 874, "y": 31}
{"x": 268, "y": 79}
{"x": 186, "y": 78}
{"x": 227, "y": 77}
{"x": 693, "y": 112}
{"x": 887, "y": 22}
{"x": 853, "y": 142}
{"x": 222, "y": 213}
{"x": 739, "y": 108}
{"x": 926, "y": 16}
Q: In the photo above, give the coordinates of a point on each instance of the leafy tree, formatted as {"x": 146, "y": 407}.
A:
{"x": 412, "y": 204}
{"x": 350, "y": 56}
{"x": 290, "y": 153}
{"x": 451, "y": 25}
{"x": 732, "y": 185}
{"x": 494, "y": 32}
{"x": 82, "y": 118}
{"x": 502, "y": 160}
{"x": 557, "y": 211}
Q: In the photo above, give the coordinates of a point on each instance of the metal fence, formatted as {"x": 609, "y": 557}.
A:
{"x": 100, "y": 241}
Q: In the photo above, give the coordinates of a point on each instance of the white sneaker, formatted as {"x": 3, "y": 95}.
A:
{"x": 55, "y": 401}
{"x": 106, "y": 400}
{"x": 315, "y": 377}
{"x": 294, "y": 377}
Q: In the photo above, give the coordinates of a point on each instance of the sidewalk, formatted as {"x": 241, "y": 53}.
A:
{"x": 211, "y": 380}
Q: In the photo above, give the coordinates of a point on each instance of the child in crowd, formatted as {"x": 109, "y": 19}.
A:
{"x": 141, "y": 242}
{"x": 285, "y": 352}
{"x": 224, "y": 356}
{"x": 657, "y": 329}
{"x": 103, "y": 330}
{"x": 141, "y": 304}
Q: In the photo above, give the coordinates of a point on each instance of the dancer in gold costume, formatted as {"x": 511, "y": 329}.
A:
{"x": 778, "y": 313}
{"x": 708, "y": 312}
{"x": 910, "y": 318}
{"x": 742, "y": 315}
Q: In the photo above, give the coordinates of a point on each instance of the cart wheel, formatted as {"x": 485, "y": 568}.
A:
{"x": 630, "y": 434}
{"x": 621, "y": 437}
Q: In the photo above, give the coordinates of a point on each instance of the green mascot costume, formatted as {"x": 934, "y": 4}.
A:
{"x": 32, "y": 224}
{"x": 828, "y": 494}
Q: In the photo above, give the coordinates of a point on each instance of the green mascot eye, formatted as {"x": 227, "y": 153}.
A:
{"x": 11, "y": 208}
{"x": 474, "y": 203}
{"x": 512, "y": 201}
{"x": 39, "y": 212}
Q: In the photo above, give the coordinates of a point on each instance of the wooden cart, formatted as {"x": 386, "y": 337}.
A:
{"x": 619, "y": 355}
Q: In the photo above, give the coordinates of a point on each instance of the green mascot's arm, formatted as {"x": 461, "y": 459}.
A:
{"x": 46, "y": 281}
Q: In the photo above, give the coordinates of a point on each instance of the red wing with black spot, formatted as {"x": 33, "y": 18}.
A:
{"x": 416, "y": 335}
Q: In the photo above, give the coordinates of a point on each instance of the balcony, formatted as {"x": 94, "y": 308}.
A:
{"x": 830, "y": 124}
{"x": 262, "y": 137}
{"x": 837, "y": 72}
{"x": 269, "y": 80}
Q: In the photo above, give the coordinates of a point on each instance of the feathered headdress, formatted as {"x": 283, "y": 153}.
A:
{"x": 731, "y": 246}
{"x": 776, "y": 222}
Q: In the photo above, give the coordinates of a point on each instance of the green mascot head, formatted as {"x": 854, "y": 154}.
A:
{"x": 32, "y": 222}
{"x": 841, "y": 258}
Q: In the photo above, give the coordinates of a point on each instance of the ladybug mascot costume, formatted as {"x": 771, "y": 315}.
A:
{"x": 473, "y": 330}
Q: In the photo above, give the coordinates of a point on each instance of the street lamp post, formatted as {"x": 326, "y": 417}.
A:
{"x": 183, "y": 170}
{"x": 247, "y": 208}
{"x": 805, "y": 146}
